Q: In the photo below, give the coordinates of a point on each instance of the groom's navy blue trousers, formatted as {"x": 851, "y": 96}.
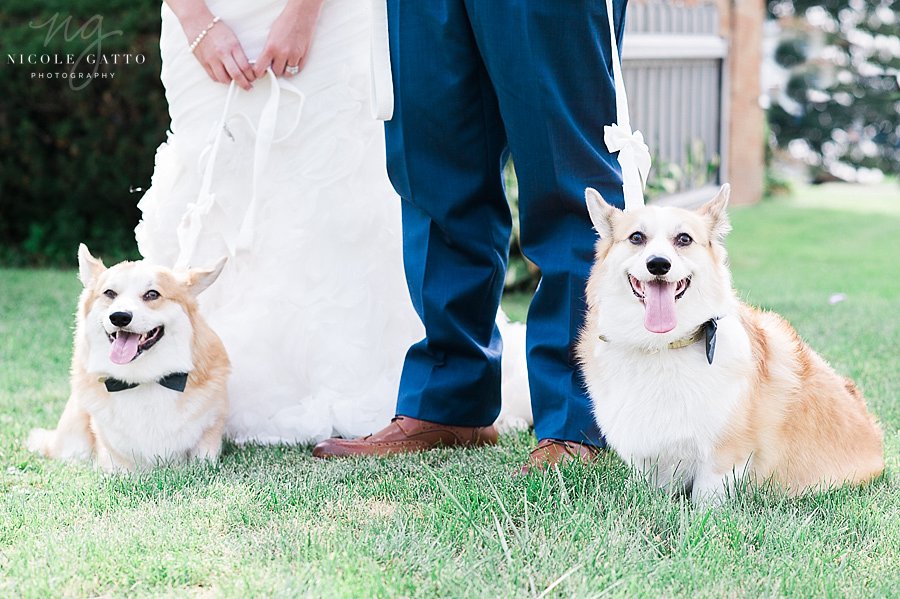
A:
{"x": 476, "y": 80}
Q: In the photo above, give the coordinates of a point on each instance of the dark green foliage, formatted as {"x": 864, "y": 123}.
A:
{"x": 842, "y": 97}
{"x": 70, "y": 151}
{"x": 791, "y": 53}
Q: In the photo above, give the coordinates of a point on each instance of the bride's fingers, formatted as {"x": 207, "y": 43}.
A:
{"x": 219, "y": 72}
{"x": 234, "y": 71}
{"x": 262, "y": 63}
{"x": 244, "y": 65}
{"x": 296, "y": 62}
{"x": 278, "y": 64}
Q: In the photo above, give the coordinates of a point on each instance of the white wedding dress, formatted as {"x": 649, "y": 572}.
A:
{"x": 312, "y": 305}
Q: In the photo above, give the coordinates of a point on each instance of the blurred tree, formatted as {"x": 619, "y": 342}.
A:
{"x": 842, "y": 98}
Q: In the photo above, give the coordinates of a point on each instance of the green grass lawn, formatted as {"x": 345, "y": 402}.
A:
{"x": 275, "y": 522}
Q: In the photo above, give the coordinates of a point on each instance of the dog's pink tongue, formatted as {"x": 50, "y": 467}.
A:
{"x": 659, "y": 306}
{"x": 124, "y": 347}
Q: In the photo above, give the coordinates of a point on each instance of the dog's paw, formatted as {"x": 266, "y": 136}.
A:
{"x": 39, "y": 441}
{"x": 56, "y": 445}
{"x": 207, "y": 451}
{"x": 708, "y": 500}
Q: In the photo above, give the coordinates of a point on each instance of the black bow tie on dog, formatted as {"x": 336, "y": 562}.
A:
{"x": 175, "y": 381}
{"x": 705, "y": 332}
{"x": 710, "y": 327}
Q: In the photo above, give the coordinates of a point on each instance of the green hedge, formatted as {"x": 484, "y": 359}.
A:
{"x": 69, "y": 157}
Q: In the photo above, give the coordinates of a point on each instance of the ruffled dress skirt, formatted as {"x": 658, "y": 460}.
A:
{"x": 288, "y": 180}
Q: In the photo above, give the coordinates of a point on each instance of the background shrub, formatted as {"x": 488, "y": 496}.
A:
{"x": 68, "y": 157}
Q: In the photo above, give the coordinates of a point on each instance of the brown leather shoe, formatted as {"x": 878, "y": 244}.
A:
{"x": 406, "y": 435}
{"x": 550, "y": 452}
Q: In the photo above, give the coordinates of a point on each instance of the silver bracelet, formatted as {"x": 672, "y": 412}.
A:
{"x": 203, "y": 33}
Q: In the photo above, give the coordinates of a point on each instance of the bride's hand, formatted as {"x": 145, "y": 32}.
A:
{"x": 220, "y": 52}
{"x": 289, "y": 40}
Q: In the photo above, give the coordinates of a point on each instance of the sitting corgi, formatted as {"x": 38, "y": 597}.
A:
{"x": 148, "y": 375}
{"x": 697, "y": 389}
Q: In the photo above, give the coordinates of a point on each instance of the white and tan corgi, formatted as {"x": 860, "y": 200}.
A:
{"x": 148, "y": 377}
{"x": 697, "y": 389}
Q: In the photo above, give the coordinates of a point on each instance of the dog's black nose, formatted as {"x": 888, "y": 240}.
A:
{"x": 657, "y": 265}
{"x": 120, "y": 319}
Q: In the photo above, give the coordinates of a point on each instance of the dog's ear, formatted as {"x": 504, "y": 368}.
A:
{"x": 198, "y": 279}
{"x": 602, "y": 214}
{"x": 89, "y": 268}
{"x": 714, "y": 211}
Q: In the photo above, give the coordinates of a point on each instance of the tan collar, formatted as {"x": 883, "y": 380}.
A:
{"x": 705, "y": 332}
{"x": 698, "y": 335}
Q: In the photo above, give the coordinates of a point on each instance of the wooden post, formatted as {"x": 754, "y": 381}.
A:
{"x": 742, "y": 23}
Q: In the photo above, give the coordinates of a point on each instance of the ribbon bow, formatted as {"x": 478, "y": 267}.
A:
{"x": 634, "y": 158}
{"x": 634, "y": 155}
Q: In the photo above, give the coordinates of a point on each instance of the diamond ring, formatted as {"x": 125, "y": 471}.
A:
{"x": 291, "y": 70}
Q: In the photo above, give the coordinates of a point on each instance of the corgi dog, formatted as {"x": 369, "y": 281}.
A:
{"x": 148, "y": 376}
{"x": 696, "y": 389}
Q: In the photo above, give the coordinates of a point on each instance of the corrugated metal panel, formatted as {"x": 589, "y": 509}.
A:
{"x": 673, "y": 59}
{"x": 661, "y": 16}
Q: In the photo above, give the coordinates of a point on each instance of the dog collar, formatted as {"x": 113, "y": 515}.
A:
{"x": 175, "y": 381}
{"x": 705, "y": 332}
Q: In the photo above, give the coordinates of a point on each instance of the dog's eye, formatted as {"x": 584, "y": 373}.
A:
{"x": 683, "y": 239}
{"x": 637, "y": 238}
{"x": 110, "y": 294}
{"x": 151, "y": 295}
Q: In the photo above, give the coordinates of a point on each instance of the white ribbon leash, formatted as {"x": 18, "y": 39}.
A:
{"x": 265, "y": 135}
{"x": 382, "y": 84}
{"x": 634, "y": 155}
{"x": 192, "y": 222}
